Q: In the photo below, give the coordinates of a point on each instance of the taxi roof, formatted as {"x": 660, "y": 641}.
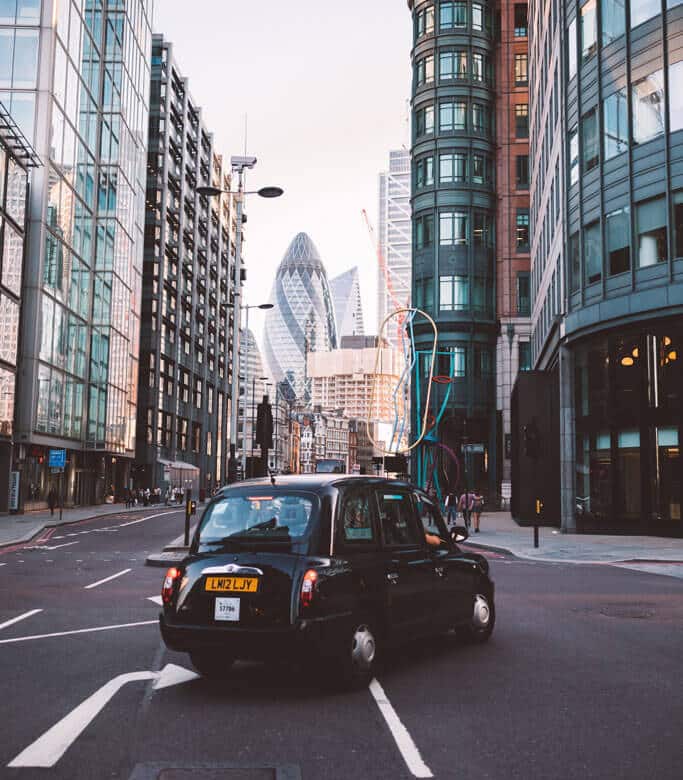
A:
{"x": 313, "y": 481}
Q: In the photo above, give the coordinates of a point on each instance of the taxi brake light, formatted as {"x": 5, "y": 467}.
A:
{"x": 167, "y": 589}
{"x": 308, "y": 587}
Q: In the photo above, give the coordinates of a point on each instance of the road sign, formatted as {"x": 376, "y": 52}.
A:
{"x": 57, "y": 459}
{"x": 473, "y": 449}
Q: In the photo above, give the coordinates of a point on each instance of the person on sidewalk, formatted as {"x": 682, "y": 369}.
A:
{"x": 476, "y": 510}
{"x": 52, "y": 500}
{"x": 465, "y": 505}
{"x": 451, "y": 505}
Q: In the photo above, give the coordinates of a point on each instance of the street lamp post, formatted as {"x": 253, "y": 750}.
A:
{"x": 240, "y": 165}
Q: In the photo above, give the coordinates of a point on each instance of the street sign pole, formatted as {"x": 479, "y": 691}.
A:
{"x": 61, "y": 494}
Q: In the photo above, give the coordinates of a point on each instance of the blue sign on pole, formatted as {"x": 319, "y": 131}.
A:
{"x": 57, "y": 459}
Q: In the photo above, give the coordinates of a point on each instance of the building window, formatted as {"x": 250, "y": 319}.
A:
{"x": 477, "y": 17}
{"x": 523, "y": 294}
{"x": 571, "y": 49}
{"x": 424, "y": 173}
{"x": 574, "y": 263}
{"x": 481, "y": 230}
{"x": 522, "y": 230}
{"x": 196, "y": 437}
{"x": 521, "y": 70}
{"x": 453, "y": 228}
{"x": 479, "y": 169}
{"x": 613, "y": 20}
{"x": 453, "y": 65}
{"x": 618, "y": 238}
{"x": 452, "y": 117}
{"x": 521, "y": 12}
{"x": 425, "y": 70}
{"x": 424, "y": 294}
{"x": 642, "y": 10}
{"x": 651, "y": 232}
{"x": 592, "y": 251}
{"x": 424, "y": 231}
{"x": 425, "y": 22}
{"x": 477, "y": 67}
{"x": 524, "y": 355}
{"x": 453, "y": 15}
{"x": 678, "y": 221}
{"x": 589, "y": 30}
{"x": 522, "y": 171}
{"x": 648, "y": 107}
{"x": 573, "y": 157}
{"x": 522, "y": 120}
{"x": 181, "y": 439}
{"x": 675, "y": 97}
{"x": 615, "y": 138}
{"x": 453, "y": 167}
{"x": 454, "y": 293}
{"x": 591, "y": 143}
{"x": 480, "y": 119}
{"x": 424, "y": 123}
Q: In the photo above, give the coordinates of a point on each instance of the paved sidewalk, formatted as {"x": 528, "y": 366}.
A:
{"x": 500, "y": 532}
{"x": 17, "y": 529}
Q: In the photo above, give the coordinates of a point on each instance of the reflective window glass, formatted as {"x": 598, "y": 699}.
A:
{"x": 25, "y": 68}
{"x": 574, "y": 262}
{"x": 651, "y": 232}
{"x": 573, "y": 157}
{"x": 9, "y": 327}
{"x": 424, "y": 172}
{"x": 522, "y": 120}
{"x": 477, "y": 17}
{"x": 642, "y": 10}
{"x": 452, "y": 117}
{"x": 613, "y": 19}
{"x": 12, "y": 259}
{"x": 453, "y": 228}
{"x": 6, "y": 57}
{"x": 523, "y": 293}
{"x": 478, "y": 67}
{"x": 453, "y": 167}
{"x": 522, "y": 230}
{"x": 676, "y": 97}
{"x": 453, "y": 293}
{"x": 618, "y": 239}
{"x": 678, "y": 221}
{"x": 615, "y": 110}
{"x": 453, "y": 15}
{"x": 591, "y": 143}
{"x": 648, "y": 107}
{"x": 521, "y": 70}
{"x": 520, "y": 20}
{"x": 571, "y": 49}
{"x": 589, "y": 30}
{"x": 592, "y": 252}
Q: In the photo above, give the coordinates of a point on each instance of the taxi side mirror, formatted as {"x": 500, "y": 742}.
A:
{"x": 459, "y": 533}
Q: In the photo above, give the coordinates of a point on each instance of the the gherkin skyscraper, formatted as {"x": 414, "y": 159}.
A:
{"x": 302, "y": 317}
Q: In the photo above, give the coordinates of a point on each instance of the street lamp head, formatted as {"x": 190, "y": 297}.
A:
{"x": 209, "y": 191}
{"x": 265, "y": 306}
{"x": 270, "y": 192}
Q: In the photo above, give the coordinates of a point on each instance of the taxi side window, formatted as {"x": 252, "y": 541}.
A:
{"x": 432, "y": 523}
{"x": 356, "y": 519}
{"x": 397, "y": 520}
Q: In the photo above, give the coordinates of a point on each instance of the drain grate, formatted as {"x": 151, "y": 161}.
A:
{"x": 214, "y": 771}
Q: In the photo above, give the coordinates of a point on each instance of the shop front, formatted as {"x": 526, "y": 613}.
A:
{"x": 628, "y": 393}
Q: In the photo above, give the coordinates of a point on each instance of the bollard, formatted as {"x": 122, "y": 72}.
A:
{"x": 539, "y": 509}
{"x": 188, "y": 512}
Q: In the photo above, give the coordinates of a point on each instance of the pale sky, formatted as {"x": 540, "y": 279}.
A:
{"x": 325, "y": 86}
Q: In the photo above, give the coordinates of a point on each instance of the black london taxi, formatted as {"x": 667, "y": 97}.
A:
{"x": 329, "y": 568}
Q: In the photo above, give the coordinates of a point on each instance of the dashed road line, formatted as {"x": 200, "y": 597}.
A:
{"x": 78, "y": 631}
{"x": 20, "y": 617}
{"x": 411, "y": 755}
{"x": 106, "y": 579}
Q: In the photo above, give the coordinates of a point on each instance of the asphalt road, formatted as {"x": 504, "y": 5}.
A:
{"x": 580, "y": 680}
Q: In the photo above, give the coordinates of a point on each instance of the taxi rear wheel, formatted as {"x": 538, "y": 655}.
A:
{"x": 212, "y": 663}
{"x": 356, "y": 657}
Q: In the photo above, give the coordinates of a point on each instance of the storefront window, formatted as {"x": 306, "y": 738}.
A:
{"x": 592, "y": 380}
{"x": 665, "y": 392}
{"x": 651, "y": 232}
{"x": 667, "y": 476}
{"x": 630, "y": 361}
{"x": 628, "y": 475}
{"x": 618, "y": 237}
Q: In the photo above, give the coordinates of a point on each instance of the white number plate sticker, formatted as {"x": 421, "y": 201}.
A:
{"x": 227, "y": 609}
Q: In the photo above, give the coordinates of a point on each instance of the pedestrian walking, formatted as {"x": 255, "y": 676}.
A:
{"x": 466, "y": 505}
{"x": 451, "y": 505}
{"x": 52, "y": 500}
{"x": 477, "y": 509}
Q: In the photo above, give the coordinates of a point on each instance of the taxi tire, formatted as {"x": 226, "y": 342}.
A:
{"x": 474, "y": 633}
{"x": 355, "y": 660}
{"x": 212, "y": 664}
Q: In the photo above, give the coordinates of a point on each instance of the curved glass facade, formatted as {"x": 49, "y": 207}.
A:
{"x": 453, "y": 203}
{"x": 302, "y": 318}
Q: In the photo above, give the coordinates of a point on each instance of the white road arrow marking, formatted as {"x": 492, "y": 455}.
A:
{"x": 156, "y": 599}
{"x": 78, "y": 631}
{"x": 48, "y": 749}
{"x": 20, "y": 617}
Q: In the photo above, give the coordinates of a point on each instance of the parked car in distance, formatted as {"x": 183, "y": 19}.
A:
{"x": 326, "y": 568}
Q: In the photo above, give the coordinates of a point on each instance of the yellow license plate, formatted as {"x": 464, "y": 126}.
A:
{"x": 232, "y": 584}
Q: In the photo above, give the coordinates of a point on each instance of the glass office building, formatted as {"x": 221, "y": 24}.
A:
{"x": 76, "y": 74}
{"x": 302, "y": 319}
{"x": 611, "y": 324}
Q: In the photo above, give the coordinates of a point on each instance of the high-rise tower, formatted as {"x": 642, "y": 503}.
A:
{"x": 348, "y": 306}
{"x": 302, "y": 318}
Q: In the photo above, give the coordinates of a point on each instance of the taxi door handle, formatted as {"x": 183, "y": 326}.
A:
{"x": 392, "y": 576}
{"x": 440, "y": 571}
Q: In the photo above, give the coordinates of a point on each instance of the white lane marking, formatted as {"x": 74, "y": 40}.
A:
{"x": 20, "y": 617}
{"x": 48, "y": 749}
{"x": 149, "y": 517}
{"x": 106, "y": 579}
{"x": 78, "y": 631}
{"x": 3, "y": 564}
{"x": 156, "y": 599}
{"x": 54, "y": 547}
{"x": 411, "y": 755}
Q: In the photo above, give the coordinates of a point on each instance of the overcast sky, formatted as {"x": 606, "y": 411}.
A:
{"x": 325, "y": 86}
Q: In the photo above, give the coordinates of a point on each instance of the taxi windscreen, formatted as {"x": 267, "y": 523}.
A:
{"x": 282, "y": 516}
